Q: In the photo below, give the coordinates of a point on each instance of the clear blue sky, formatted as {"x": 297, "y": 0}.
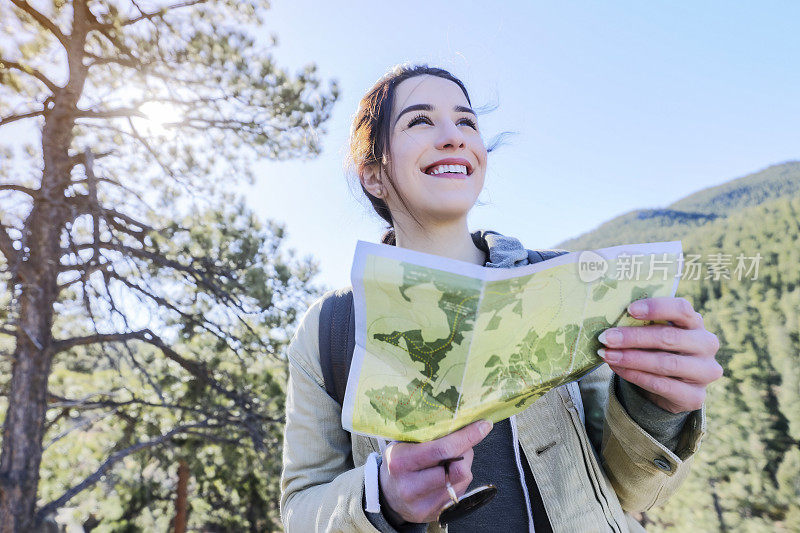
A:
{"x": 617, "y": 105}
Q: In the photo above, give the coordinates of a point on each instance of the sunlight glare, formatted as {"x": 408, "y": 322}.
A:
{"x": 159, "y": 116}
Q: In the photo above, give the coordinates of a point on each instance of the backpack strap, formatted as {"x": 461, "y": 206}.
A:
{"x": 337, "y": 326}
{"x": 548, "y": 254}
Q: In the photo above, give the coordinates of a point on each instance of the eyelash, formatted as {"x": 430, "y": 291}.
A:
{"x": 471, "y": 123}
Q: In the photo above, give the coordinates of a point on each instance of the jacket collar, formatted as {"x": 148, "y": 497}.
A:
{"x": 501, "y": 251}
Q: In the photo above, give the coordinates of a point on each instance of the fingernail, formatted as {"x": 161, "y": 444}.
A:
{"x": 610, "y": 336}
{"x": 610, "y": 357}
{"x": 638, "y": 308}
{"x": 485, "y": 428}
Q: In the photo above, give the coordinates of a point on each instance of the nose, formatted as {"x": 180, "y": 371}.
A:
{"x": 449, "y": 136}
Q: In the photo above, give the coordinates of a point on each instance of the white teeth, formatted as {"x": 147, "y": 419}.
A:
{"x": 452, "y": 169}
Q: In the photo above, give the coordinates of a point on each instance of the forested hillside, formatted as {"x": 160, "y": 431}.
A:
{"x": 747, "y": 474}
{"x": 698, "y": 209}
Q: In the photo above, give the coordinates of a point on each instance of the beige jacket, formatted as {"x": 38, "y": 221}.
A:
{"x": 320, "y": 491}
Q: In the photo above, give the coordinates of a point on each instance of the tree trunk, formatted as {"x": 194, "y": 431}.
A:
{"x": 717, "y": 506}
{"x": 23, "y": 429}
{"x": 24, "y": 424}
{"x": 37, "y": 276}
{"x": 37, "y": 279}
{"x": 181, "y": 498}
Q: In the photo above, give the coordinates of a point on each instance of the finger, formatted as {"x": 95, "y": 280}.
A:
{"x": 417, "y": 456}
{"x": 461, "y": 471}
{"x": 680, "y": 395}
{"x": 679, "y": 311}
{"x": 423, "y": 493}
{"x": 434, "y": 479}
{"x": 428, "y": 507}
{"x": 661, "y": 337}
{"x": 425, "y": 490}
{"x": 418, "y": 485}
{"x": 686, "y": 367}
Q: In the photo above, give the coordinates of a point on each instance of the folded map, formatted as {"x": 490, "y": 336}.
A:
{"x": 440, "y": 343}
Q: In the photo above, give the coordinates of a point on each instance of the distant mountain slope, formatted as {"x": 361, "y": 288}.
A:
{"x": 698, "y": 209}
{"x": 754, "y": 189}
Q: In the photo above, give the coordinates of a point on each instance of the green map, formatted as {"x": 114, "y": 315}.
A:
{"x": 440, "y": 345}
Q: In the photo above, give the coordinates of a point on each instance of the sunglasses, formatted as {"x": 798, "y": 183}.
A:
{"x": 460, "y": 507}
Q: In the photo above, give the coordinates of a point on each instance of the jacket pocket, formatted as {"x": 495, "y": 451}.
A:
{"x": 592, "y": 467}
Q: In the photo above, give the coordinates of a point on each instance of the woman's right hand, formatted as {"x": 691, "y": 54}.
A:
{"x": 413, "y": 483}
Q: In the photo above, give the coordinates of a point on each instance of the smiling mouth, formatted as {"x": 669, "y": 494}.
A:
{"x": 448, "y": 171}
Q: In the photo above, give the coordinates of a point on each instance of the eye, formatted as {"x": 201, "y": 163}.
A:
{"x": 471, "y": 123}
{"x": 425, "y": 119}
{"x": 419, "y": 118}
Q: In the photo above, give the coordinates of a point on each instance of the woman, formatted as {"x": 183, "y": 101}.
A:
{"x": 421, "y": 162}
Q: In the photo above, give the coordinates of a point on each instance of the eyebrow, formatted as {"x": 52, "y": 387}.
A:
{"x": 428, "y": 107}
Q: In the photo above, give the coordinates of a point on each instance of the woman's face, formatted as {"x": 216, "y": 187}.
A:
{"x": 437, "y": 155}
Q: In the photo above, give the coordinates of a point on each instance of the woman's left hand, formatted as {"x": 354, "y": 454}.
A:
{"x": 673, "y": 363}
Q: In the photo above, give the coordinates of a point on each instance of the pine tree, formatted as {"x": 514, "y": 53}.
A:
{"x": 117, "y": 232}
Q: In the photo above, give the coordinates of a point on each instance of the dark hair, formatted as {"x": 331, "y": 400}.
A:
{"x": 371, "y": 131}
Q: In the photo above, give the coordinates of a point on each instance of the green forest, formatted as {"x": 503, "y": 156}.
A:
{"x": 747, "y": 473}
{"x": 145, "y": 309}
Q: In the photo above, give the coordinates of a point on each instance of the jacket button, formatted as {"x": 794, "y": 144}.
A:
{"x": 662, "y": 464}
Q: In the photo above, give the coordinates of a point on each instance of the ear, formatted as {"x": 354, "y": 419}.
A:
{"x": 371, "y": 180}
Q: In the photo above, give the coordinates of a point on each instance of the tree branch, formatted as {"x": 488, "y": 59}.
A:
{"x": 143, "y": 254}
{"x": 135, "y": 134}
{"x": 122, "y": 61}
{"x": 80, "y": 159}
{"x": 84, "y": 270}
{"x": 112, "y": 459}
{"x": 207, "y": 279}
{"x": 7, "y": 246}
{"x": 94, "y": 205}
{"x": 85, "y": 424}
{"x": 13, "y": 118}
{"x": 110, "y": 113}
{"x": 213, "y": 438}
{"x": 211, "y": 327}
{"x": 66, "y": 344}
{"x": 85, "y": 404}
{"x": 111, "y": 214}
{"x": 160, "y": 13}
{"x": 115, "y": 183}
{"x": 19, "y": 188}
{"x": 109, "y": 32}
{"x": 7, "y": 64}
{"x": 113, "y": 219}
{"x": 196, "y": 369}
{"x": 251, "y": 420}
{"x": 43, "y": 21}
